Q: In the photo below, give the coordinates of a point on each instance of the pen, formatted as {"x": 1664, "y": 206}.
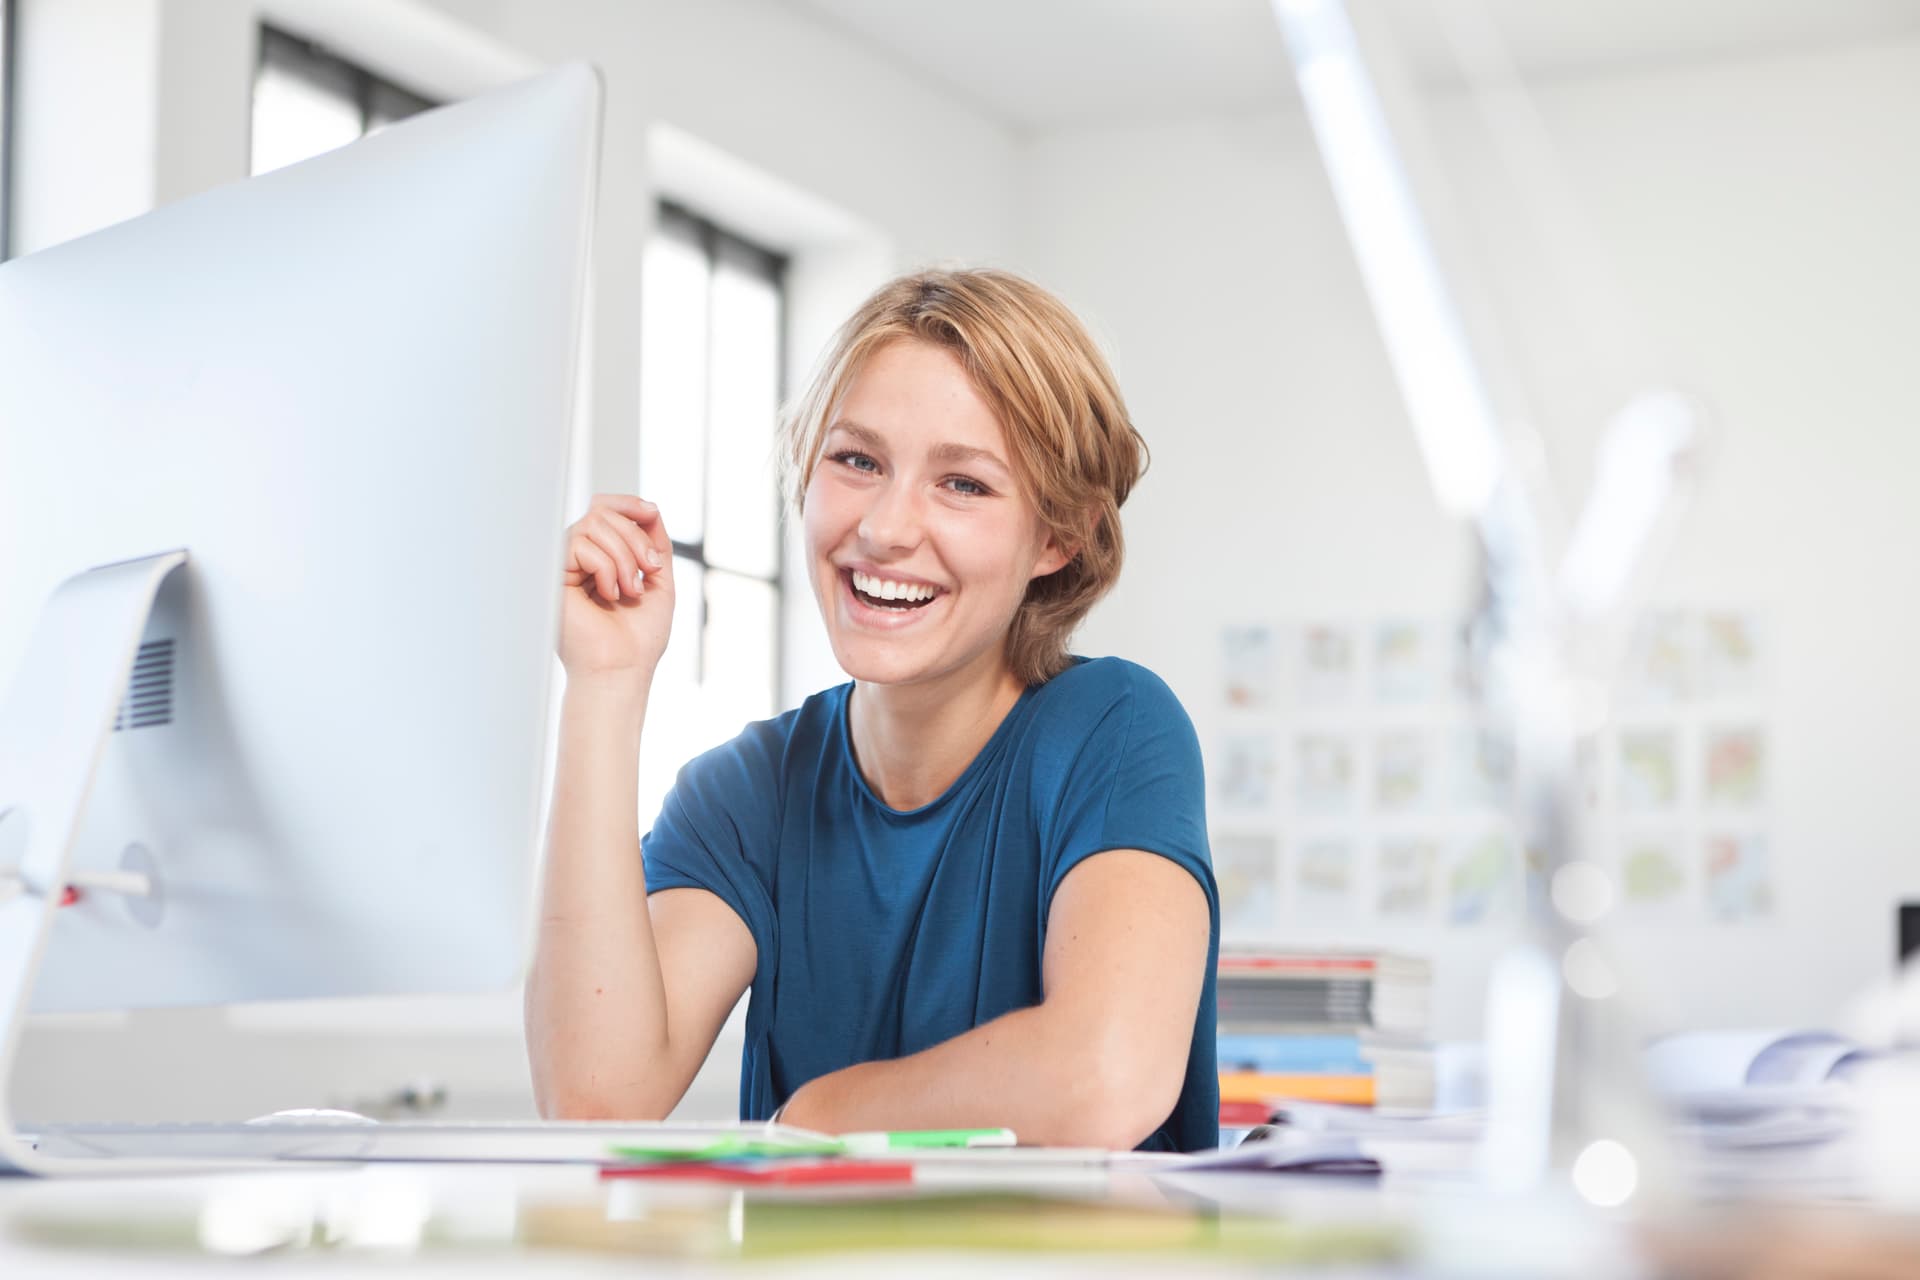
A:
{"x": 925, "y": 1139}
{"x": 734, "y": 1147}
{"x": 770, "y": 1174}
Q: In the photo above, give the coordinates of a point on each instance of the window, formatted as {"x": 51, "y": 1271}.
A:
{"x": 6, "y": 129}
{"x": 306, "y": 101}
{"x": 710, "y": 372}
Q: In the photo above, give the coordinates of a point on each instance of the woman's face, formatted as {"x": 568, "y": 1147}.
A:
{"x": 920, "y": 542}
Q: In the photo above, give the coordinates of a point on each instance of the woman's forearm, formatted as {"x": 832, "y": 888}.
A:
{"x": 596, "y": 1009}
{"x": 1034, "y": 1071}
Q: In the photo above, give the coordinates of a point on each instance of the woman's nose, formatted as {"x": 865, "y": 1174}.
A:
{"x": 892, "y": 520}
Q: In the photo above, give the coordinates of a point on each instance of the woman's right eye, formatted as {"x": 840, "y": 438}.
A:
{"x": 858, "y": 461}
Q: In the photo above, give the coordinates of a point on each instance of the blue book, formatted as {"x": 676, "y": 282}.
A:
{"x": 1285, "y": 1054}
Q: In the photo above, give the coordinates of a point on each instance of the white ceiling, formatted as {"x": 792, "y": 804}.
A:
{"x": 1038, "y": 64}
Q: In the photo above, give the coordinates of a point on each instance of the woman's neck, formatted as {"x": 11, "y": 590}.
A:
{"x": 912, "y": 741}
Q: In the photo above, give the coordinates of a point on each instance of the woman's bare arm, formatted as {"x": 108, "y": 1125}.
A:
{"x": 626, "y": 993}
{"x": 1098, "y": 1062}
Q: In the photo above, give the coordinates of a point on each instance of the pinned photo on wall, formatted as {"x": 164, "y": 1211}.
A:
{"x": 1649, "y": 770}
{"x": 1660, "y": 660}
{"x": 1732, "y": 654}
{"x": 1246, "y": 865}
{"x": 1481, "y": 768}
{"x": 1735, "y": 768}
{"x": 1327, "y": 662}
{"x": 1482, "y": 880}
{"x": 1739, "y": 881}
{"x": 1323, "y": 883}
{"x": 1533, "y": 875}
{"x": 1247, "y": 776}
{"x": 1407, "y": 663}
{"x": 1653, "y": 873}
{"x": 1404, "y": 878}
{"x": 1323, "y": 774}
{"x": 1403, "y": 769}
{"x": 1252, "y": 658}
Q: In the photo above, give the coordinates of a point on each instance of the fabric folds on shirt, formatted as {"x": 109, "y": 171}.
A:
{"x": 882, "y": 932}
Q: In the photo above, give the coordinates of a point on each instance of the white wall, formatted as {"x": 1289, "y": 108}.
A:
{"x": 763, "y": 118}
{"x": 84, "y": 146}
{"x": 1760, "y": 213}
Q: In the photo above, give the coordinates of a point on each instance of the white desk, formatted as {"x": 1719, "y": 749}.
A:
{"x": 528, "y": 1219}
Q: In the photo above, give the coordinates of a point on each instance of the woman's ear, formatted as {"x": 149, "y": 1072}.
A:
{"x": 1052, "y": 559}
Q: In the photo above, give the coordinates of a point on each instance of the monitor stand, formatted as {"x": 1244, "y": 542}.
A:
{"x": 54, "y": 724}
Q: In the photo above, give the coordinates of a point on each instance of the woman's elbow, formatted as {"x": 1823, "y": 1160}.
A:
{"x": 586, "y": 1104}
{"x": 1119, "y": 1107}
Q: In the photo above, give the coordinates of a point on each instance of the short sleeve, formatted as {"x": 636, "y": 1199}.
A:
{"x": 1135, "y": 781}
{"x": 719, "y": 830}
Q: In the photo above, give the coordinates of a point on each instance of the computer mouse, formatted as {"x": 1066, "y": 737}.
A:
{"x": 314, "y": 1115}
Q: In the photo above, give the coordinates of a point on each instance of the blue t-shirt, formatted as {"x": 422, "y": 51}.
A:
{"x": 883, "y": 932}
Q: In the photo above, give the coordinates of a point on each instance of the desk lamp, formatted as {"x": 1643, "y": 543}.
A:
{"x": 1566, "y": 1109}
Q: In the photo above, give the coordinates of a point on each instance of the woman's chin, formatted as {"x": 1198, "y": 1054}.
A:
{"x": 879, "y": 662}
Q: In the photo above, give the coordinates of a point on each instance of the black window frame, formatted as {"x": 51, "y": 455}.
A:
{"x": 9, "y": 68}
{"x": 715, "y": 240}
{"x": 313, "y": 60}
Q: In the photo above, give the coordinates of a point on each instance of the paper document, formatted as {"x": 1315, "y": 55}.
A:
{"x": 1284, "y": 1151}
{"x": 1707, "y": 1062}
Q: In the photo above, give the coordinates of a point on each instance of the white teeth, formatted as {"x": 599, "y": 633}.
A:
{"x": 884, "y": 589}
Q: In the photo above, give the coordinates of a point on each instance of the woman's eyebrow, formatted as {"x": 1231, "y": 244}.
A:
{"x": 945, "y": 454}
{"x": 956, "y": 454}
{"x": 861, "y": 435}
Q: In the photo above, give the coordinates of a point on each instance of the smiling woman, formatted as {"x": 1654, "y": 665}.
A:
{"x": 970, "y": 887}
{"x": 1031, "y": 408}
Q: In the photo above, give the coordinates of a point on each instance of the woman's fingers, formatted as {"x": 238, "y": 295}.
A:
{"x": 594, "y": 564}
{"x": 642, "y": 513}
{"x": 601, "y": 530}
{"x": 618, "y": 544}
{"x": 637, "y": 558}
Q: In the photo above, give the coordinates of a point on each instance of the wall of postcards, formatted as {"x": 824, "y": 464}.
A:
{"x": 1353, "y": 781}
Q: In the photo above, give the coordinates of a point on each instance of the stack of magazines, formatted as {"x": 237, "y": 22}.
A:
{"x": 1323, "y": 1026}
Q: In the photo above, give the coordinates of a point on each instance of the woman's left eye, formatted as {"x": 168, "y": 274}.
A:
{"x": 966, "y": 487}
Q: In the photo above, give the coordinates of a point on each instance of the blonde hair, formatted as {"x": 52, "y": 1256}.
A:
{"x": 1075, "y": 451}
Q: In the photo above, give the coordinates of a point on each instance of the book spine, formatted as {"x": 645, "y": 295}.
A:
{"x": 1238, "y": 1115}
{"x": 1306, "y": 965}
{"x": 1262, "y": 1086}
{"x": 1281, "y": 1002}
{"x": 1282, "y": 1054}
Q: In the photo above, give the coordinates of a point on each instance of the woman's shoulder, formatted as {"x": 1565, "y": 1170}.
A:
{"x": 1107, "y": 728}
{"x": 1098, "y": 696}
{"x": 759, "y": 751}
{"x": 1098, "y": 684}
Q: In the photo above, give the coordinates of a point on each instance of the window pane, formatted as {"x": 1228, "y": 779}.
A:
{"x": 745, "y": 390}
{"x": 673, "y": 384}
{"x": 682, "y": 661}
{"x": 387, "y": 103}
{"x": 676, "y": 730}
{"x": 298, "y": 114}
{"x": 742, "y": 617}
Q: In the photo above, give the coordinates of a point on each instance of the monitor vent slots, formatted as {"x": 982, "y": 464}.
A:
{"x": 149, "y": 700}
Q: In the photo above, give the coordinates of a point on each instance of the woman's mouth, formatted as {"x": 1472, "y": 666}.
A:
{"x": 886, "y": 595}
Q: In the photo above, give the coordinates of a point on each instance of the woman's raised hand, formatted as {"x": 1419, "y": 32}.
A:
{"x": 618, "y": 605}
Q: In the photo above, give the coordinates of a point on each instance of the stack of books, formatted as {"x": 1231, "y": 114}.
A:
{"x": 1323, "y": 1026}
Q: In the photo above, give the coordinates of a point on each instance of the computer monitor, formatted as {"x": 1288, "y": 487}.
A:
{"x": 345, "y": 390}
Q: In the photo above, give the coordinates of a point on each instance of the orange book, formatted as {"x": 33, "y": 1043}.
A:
{"x": 1260, "y": 1086}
